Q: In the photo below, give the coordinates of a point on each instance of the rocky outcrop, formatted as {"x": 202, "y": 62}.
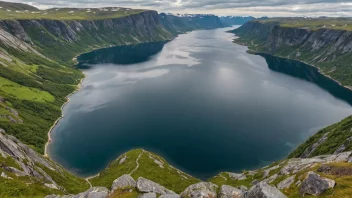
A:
{"x": 264, "y": 190}
{"x": 26, "y": 159}
{"x": 202, "y": 189}
{"x": 147, "y": 186}
{"x": 315, "y": 185}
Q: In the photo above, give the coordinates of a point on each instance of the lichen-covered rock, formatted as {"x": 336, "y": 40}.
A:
{"x": 315, "y": 185}
{"x": 230, "y": 192}
{"x": 147, "y": 195}
{"x": 264, "y": 190}
{"x": 125, "y": 181}
{"x": 147, "y": 186}
{"x": 202, "y": 189}
{"x": 237, "y": 176}
{"x": 286, "y": 183}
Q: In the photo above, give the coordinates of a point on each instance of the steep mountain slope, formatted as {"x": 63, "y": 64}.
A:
{"x": 184, "y": 23}
{"x": 34, "y": 55}
{"x": 324, "y": 43}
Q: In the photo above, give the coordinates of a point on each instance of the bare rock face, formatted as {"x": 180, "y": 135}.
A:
{"x": 125, "y": 181}
{"x": 315, "y": 185}
{"x": 264, "y": 190}
{"x": 147, "y": 186}
{"x": 27, "y": 159}
{"x": 202, "y": 189}
{"x": 286, "y": 183}
{"x": 230, "y": 192}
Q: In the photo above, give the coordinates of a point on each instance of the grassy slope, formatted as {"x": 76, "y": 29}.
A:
{"x": 36, "y": 88}
{"x": 167, "y": 176}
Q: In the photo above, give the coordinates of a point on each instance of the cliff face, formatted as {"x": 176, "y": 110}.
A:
{"x": 328, "y": 49}
{"x": 77, "y": 36}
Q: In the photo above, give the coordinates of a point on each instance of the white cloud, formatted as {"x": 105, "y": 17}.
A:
{"x": 219, "y": 7}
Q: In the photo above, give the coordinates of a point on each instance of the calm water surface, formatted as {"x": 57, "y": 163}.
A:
{"x": 200, "y": 101}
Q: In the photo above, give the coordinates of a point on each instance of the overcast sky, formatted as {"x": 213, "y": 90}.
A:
{"x": 218, "y": 7}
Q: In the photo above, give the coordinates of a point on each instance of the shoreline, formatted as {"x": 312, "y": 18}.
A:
{"x": 62, "y": 115}
{"x": 250, "y": 51}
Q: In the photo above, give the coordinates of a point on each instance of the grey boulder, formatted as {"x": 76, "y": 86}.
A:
{"x": 315, "y": 185}
{"x": 125, "y": 181}
{"x": 230, "y": 192}
{"x": 264, "y": 190}
{"x": 201, "y": 190}
{"x": 147, "y": 186}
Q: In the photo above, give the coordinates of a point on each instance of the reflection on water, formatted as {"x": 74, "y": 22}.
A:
{"x": 308, "y": 73}
{"x": 122, "y": 54}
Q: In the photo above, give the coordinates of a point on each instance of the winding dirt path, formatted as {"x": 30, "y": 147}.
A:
{"x": 137, "y": 162}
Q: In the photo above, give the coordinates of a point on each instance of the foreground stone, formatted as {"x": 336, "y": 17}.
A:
{"x": 230, "y": 192}
{"x": 315, "y": 185}
{"x": 95, "y": 192}
{"x": 264, "y": 190}
{"x": 147, "y": 186}
{"x": 202, "y": 189}
{"x": 125, "y": 181}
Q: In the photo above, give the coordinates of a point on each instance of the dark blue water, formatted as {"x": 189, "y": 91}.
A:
{"x": 200, "y": 101}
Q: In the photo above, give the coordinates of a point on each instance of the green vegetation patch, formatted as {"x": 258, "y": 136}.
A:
{"x": 24, "y": 93}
